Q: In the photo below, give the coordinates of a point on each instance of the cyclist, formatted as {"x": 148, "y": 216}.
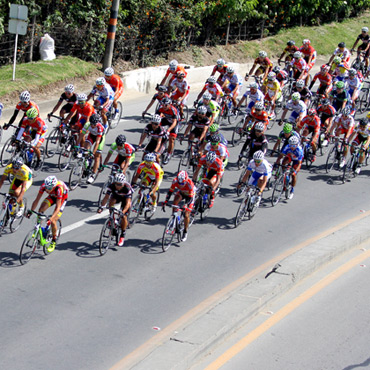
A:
{"x": 158, "y": 137}
{"x": 265, "y": 66}
{"x": 354, "y": 85}
{"x": 69, "y": 97}
{"x": 34, "y": 130}
{"x": 343, "y": 125}
{"x": 290, "y": 49}
{"x": 257, "y": 114}
{"x": 364, "y": 37}
{"x": 120, "y": 191}
{"x": 304, "y": 91}
{"x": 299, "y": 66}
{"x": 272, "y": 90}
{"x": 57, "y": 192}
{"x": 200, "y": 123}
{"x": 213, "y": 108}
{"x": 221, "y": 68}
{"x": 170, "y": 116}
{"x": 217, "y": 147}
{"x": 232, "y": 84}
{"x": 213, "y": 88}
{"x": 254, "y": 94}
{"x": 311, "y": 125}
{"x": 173, "y": 69}
{"x": 158, "y": 96}
{"x": 116, "y": 83}
{"x": 95, "y": 137}
{"x": 325, "y": 80}
{"x": 213, "y": 130}
{"x": 152, "y": 175}
{"x": 339, "y": 69}
{"x": 125, "y": 153}
{"x": 339, "y": 96}
{"x": 258, "y": 172}
{"x": 22, "y": 180}
{"x": 281, "y": 75}
{"x": 285, "y": 134}
{"x": 185, "y": 190}
{"x": 180, "y": 91}
{"x": 361, "y": 133}
{"x": 309, "y": 53}
{"x": 298, "y": 108}
{"x": 326, "y": 113}
{"x": 292, "y": 153}
{"x": 105, "y": 98}
{"x": 214, "y": 170}
{"x": 256, "y": 141}
{"x": 342, "y": 52}
{"x": 82, "y": 110}
{"x": 23, "y": 105}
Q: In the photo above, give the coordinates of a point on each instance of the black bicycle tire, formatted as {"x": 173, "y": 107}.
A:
{"x": 276, "y": 192}
{"x": 241, "y": 212}
{"x": 167, "y": 244}
{"x": 31, "y": 235}
{"x": 103, "y": 249}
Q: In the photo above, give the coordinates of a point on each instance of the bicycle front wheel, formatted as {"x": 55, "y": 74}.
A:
{"x": 331, "y": 159}
{"x": 53, "y": 143}
{"x": 242, "y": 211}
{"x": 29, "y": 246}
{"x": 116, "y": 116}
{"x": 136, "y": 209}
{"x": 237, "y": 134}
{"x": 65, "y": 157}
{"x": 16, "y": 220}
{"x": 107, "y": 239}
{"x": 277, "y": 192}
{"x": 8, "y": 152}
{"x": 75, "y": 176}
{"x": 49, "y": 237}
{"x": 103, "y": 191}
{"x": 184, "y": 163}
{"x": 168, "y": 233}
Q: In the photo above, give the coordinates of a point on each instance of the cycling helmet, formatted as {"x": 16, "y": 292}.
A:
{"x": 296, "y": 96}
{"x": 337, "y": 60}
{"x": 17, "y": 163}
{"x": 24, "y": 96}
{"x": 290, "y": 43}
{"x": 173, "y": 65}
{"x": 109, "y": 71}
{"x": 95, "y": 119}
{"x": 69, "y": 88}
{"x": 32, "y": 113}
{"x": 81, "y": 97}
{"x": 207, "y": 96}
{"x": 253, "y": 85}
{"x": 220, "y": 62}
{"x": 161, "y": 88}
{"x": 361, "y": 123}
{"x": 258, "y": 105}
{"x": 339, "y": 85}
{"x": 368, "y": 115}
{"x": 342, "y": 45}
{"x": 326, "y": 102}
{"x": 346, "y": 111}
{"x": 211, "y": 79}
{"x": 182, "y": 176}
{"x": 156, "y": 118}
{"x": 276, "y": 69}
{"x": 352, "y": 72}
{"x": 297, "y": 55}
{"x": 50, "y": 182}
{"x": 262, "y": 54}
{"x": 210, "y": 157}
{"x": 213, "y": 128}
{"x": 120, "y": 178}
{"x": 149, "y": 157}
{"x": 202, "y": 109}
{"x": 259, "y": 126}
{"x": 300, "y": 83}
{"x": 100, "y": 81}
{"x": 311, "y": 112}
{"x": 230, "y": 69}
{"x": 120, "y": 140}
{"x": 293, "y": 141}
{"x": 324, "y": 68}
{"x": 288, "y": 128}
{"x": 166, "y": 100}
{"x": 258, "y": 155}
{"x": 364, "y": 29}
{"x": 216, "y": 138}
{"x": 306, "y": 42}
{"x": 181, "y": 74}
{"x": 271, "y": 76}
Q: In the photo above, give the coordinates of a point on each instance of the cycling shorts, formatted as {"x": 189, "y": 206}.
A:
{"x": 102, "y": 100}
{"x": 120, "y": 159}
{"x": 255, "y": 176}
{"x": 17, "y": 183}
{"x": 91, "y": 139}
{"x": 52, "y": 200}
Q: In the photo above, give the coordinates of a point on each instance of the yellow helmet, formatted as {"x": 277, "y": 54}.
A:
{"x": 368, "y": 115}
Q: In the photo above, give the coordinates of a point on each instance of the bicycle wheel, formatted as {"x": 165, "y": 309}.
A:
{"x": 107, "y": 237}
{"x": 168, "y": 233}
{"x": 36, "y": 165}
{"x": 271, "y": 122}
{"x": 185, "y": 110}
{"x": 233, "y": 116}
{"x": 331, "y": 159}
{"x": 363, "y": 100}
{"x": 242, "y": 211}
{"x": 136, "y": 209}
{"x": 204, "y": 208}
{"x": 238, "y": 134}
{"x": 279, "y": 106}
{"x": 53, "y": 143}
{"x": 4, "y": 218}
{"x": 16, "y": 220}
{"x": 103, "y": 191}
{"x": 184, "y": 163}
{"x": 116, "y": 116}
{"x": 29, "y": 246}
{"x": 277, "y": 192}
{"x": 65, "y": 157}
{"x": 7, "y": 153}
{"x": 75, "y": 175}
{"x": 252, "y": 208}
{"x": 49, "y": 237}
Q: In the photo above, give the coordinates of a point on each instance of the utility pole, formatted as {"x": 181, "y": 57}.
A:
{"x": 111, "y": 35}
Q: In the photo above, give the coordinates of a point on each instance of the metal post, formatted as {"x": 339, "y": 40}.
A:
{"x": 109, "y": 47}
{"x": 227, "y": 33}
{"x": 15, "y": 54}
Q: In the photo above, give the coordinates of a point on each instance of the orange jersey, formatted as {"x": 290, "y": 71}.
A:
{"x": 39, "y": 125}
{"x": 115, "y": 82}
{"x": 86, "y": 111}
{"x": 187, "y": 188}
{"x": 30, "y": 105}
{"x": 174, "y": 73}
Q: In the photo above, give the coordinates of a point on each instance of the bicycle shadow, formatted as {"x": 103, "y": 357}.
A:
{"x": 81, "y": 249}
{"x": 148, "y": 246}
{"x": 84, "y": 205}
{"x": 9, "y": 260}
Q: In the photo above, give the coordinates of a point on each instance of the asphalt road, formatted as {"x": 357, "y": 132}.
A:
{"x": 77, "y": 310}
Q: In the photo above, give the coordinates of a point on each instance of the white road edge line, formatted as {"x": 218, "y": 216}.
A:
{"x": 78, "y": 224}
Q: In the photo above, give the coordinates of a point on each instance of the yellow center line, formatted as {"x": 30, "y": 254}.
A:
{"x": 158, "y": 339}
{"x": 286, "y": 310}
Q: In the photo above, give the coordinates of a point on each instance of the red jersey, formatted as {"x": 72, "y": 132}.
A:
{"x": 85, "y": 112}
{"x": 312, "y": 122}
{"x": 216, "y": 165}
{"x": 328, "y": 110}
{"x": 60, "y": 191}
{"x": 299, "y": 64}
{"x": 266, "y": 62}
{"x": 307, "y": 52}
{"x": 170, "y": 113}
{"x": 174, "y": 73}
{"x": 30, "y": 105}
{"x": 39, "y": 125}
{"x": 324, "y": 79}
{"x": 260, "y": 116}
{"x": 187, "y": 188}
{"x": 115, "y": 82}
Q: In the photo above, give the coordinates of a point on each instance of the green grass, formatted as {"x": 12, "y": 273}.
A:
{"x": 29, "y": 76}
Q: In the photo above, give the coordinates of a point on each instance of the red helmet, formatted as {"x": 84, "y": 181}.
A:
{"x": 312, "y": 112}
{"x": 182, "y": 176}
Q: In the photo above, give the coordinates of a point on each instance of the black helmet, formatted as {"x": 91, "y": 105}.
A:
{"x": 290, "y": 43}
{"x": 342, "y": 45}
{"x": 120, "y": 140}
{"x": 94, "y": 119}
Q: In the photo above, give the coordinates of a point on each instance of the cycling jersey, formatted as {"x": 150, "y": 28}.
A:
{"x": 264, "y": 168}
{"x": 60, "y": 191}
{"x": 221, "y": 71}
{"x": 307, "y": 52}
{"x": 169, "y": 113}
{"x": 365, "y": 40}
{"x": 155, "y": 171}
{"x": 215, "y": 90}
{"x": 297, "y": 108}
{"x": 312, "y": 123}
{"x": 345, "y": 55}
{"x": 216, "y": 166}
{"x": 83, "y": 112}
{"x": 291, "y": 49}
{"x": 305, "y": 93}
{"x": 198, "y": 122}
{"x": 345, "y": 123}
{"x": 181, "y": 85}
{"x": 353, "y": 83}
{"x": 234, "y": 81}
{"x": 341, "y": 70}
{"x": 295, "y": 154}
{"x": 186, "y": 189}
{"x": 272, "y": 87}
{"x": 120, "y": 194}
{"x": 339, "y": 98}
{"x": 324, "y": 79}
{"x": 23, "y": 174}
{"x": 175, "y": 72}
{"x": 282, "y": 75}
{"x": 363, "y": 132}
{"x": 285, "y": 139}
{"x": 257, "y": 96}
{"x": 212, "y": 108}
{"x": 126, "y": 151}
{"x": 30, "y": 105}
{"x": 38, "y": 125}
{"x": 105, "y": 93}
{"x": 220, "y": 150}
{"x": 158, "y": 133}
{"x": 265, "y": 63}
{"x": 97, "y": 131}
{"x": 115, "y": 82}
{"x": 70, "y": 100}
{"x": 255, "y": 143}
{"x": 299, "y": 64}
{"x": 260, "y": 116}
{"x": 156, "y": 96}
{"x": 328, "y": 110}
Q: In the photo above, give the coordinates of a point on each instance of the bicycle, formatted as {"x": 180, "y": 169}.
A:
{"x": 359, "y": 63}
{"x": 142, "y": 205}
{"x": 308, "y": 155}
{"x": 249, "y": 205}
{"x": 175, "y": 225}
{"x": 54, "y": 140}
{"x": 113, "y": 117}
{"x": 227, "y": 110}
{"x": 282, "y": 183}
{"x": 190, "y": 158}
{"x": 335, "y": 155}
{"x": 239, "y": 132}
{"x": 27, "y": 152}
{"x": 322, "y": 142}
{"x": 351, "y": 166}
{"x": 202, "y": 200}
{"x": 362, "y": 102}
{"x": 9, "y": 213}
{"x": 111, "y": 231}
{"x": 69, "y": 149}
{"x": 287, "y": 89}
{"x": 39, "y": 237}
{"x": 9, "y": 149}
{"x": 272, "y": 114}
{"x": 182, "y": 121}
{"x": 82, "y": 169}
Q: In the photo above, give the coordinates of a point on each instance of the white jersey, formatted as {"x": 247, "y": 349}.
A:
{"x": 353, "y": 83}
{"x": 182, "y": 86}
{"x": 106, "y": 93}
{"x": 258, "y": 96}
{"x": 345, "y": 122}
{"x": 297, "y": 108}
{"x": 264, "y": 168}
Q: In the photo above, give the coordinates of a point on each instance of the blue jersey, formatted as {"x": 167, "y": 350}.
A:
{"x": 296, "y": 154}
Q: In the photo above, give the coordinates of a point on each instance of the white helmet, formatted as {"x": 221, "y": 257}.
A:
{"x": 259, "y": 126}
{"x": 156, "y": 118}
{"x": 50, "y": 182}
{"x": 120, "y": 178}
{"x": 271, "y": 76}
{"x": 293, "y": 140}
{"x": 220, "y": 62}
{"x": 297, "y": 55}
{"x": 258, "y": 155}
{"x": 258, "y": 105}
{"x": 253, "y": 85}
{"x": 230, "y": 69}
{"x": 24, "y": 96}
{"x": 109, "y": 71}
{"x": 211, "y": 79}
{"x": 202, "y": 109}
{"x": 81, "y": 97}
{"x": 173, "y": 64}
{"x": 69, "y": 88}
{"x": 296, "y": 96}
{"x": 364, "y": 29}
{"x": 100, "y": 81}
{"x": 262, "y": 54}
{"x": 299, "y": 83}
{"x": 207, "y": 96}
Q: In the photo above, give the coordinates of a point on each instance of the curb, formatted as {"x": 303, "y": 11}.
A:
{"x": 190, "y": 343}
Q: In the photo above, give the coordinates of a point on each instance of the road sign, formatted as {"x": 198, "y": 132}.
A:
{"x": 19, "y": 12}
{"x": 16, "y": 26}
